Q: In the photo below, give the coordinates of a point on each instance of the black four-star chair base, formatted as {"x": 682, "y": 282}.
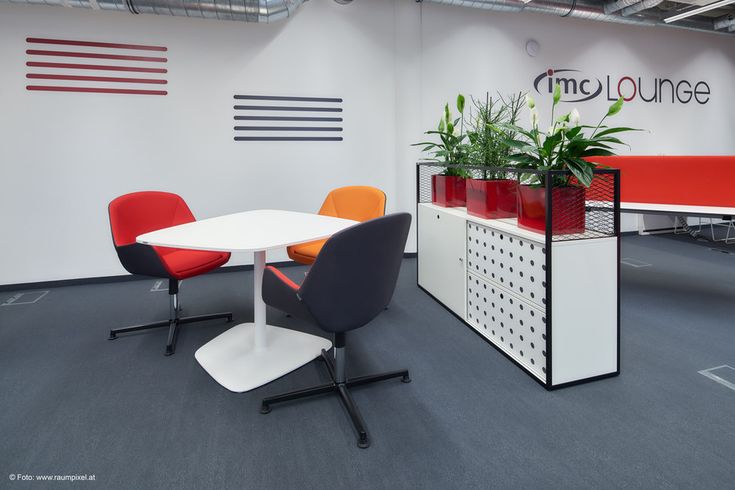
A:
{"x": 173, "y": 322}
{"x": 173, "y": 327}
{"x": 340, "y": 388}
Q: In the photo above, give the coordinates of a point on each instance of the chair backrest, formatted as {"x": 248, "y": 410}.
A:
{"x": 355, "y": 274}
{"x": 141, "y": 212}
{"x": 357, "y": 202}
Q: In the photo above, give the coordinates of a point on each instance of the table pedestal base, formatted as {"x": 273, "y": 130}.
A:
{"x": 233, "y": 361}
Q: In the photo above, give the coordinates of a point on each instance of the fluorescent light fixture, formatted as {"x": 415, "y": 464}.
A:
{"x": 699, "y": 10}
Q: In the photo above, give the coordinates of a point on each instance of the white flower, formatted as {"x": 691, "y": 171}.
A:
{"x": 534, "y": 119}
{"x": 530, "y": 102}
{"x": 574, "y": 118}
{"x": 552, "y": 131}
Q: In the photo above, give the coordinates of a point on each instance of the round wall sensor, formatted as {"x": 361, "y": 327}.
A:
{"x": 532, "y": 47}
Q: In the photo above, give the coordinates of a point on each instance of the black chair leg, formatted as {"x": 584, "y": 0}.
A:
{"x": 330, "y": 365}
{"x": 373, "y": 378}
{"x": 201, "y": 318}
{"x": 362, "y": 436}
{"x": 295, "y": 395}
{"x": 146, "y": 326}
{"x": 173, "y": 332}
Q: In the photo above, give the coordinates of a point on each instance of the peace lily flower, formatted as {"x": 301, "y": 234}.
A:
{"x": 566, "y": 146}
{"x": 530, "y": 102}
{"x": 534, "y": 118}
{"x": 574, "y": 118}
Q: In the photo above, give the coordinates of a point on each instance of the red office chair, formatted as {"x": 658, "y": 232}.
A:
{"x": 141, "y": 212}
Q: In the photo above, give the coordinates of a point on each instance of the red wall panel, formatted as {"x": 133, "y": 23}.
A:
{"x": 688, "y": 180}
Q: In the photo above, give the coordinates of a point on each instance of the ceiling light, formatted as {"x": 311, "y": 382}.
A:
{"x": 699, "y": 10}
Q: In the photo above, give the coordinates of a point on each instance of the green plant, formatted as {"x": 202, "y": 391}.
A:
{"x": 490, "y": 125}
{"x": 565, "y": 145}
{"x": 451, "y": 148}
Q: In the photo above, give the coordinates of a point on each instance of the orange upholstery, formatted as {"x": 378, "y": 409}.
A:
{"x": 358, "y": 203}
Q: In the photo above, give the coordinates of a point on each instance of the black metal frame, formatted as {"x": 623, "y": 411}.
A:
{"x": 549, "y": 239}
{"x": 339, "y": 385}
{"x": 174, "y": 320}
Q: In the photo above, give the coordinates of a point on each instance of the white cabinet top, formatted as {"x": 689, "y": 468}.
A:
{"x": 508, "y": 225}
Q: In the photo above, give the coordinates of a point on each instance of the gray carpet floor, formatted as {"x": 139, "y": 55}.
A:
{"x": 72, "y": 402}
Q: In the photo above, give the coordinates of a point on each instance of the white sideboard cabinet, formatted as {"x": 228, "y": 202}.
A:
{"x": 549, "y": 306}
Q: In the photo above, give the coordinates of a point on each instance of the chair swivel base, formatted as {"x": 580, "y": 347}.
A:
{"x": 173, "y": 325}
{"x": 363, "y": 440}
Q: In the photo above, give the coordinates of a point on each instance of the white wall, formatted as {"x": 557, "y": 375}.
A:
{"x": 65, "y": 156}
{"x": 395, "y": 62}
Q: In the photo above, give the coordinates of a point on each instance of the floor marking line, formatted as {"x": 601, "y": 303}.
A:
{"x": 708, "y": 373}
{"x": 634, "y": 262}
{"x": 13, "y": 300}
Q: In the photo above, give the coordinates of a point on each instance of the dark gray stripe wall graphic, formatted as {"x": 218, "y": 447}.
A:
{"x": 283, "y": 118}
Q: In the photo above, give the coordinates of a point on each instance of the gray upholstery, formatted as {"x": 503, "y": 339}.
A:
{"x": 353, "y": 278}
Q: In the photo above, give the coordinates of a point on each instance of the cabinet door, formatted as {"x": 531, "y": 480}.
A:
{"x": 441, "y": 255}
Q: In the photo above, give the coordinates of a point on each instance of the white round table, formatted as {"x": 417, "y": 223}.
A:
{"x": 250, "y": 355}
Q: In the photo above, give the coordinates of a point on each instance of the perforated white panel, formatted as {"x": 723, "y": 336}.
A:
{"x": 514, "y": 325}
{"x": 517, "y": 264}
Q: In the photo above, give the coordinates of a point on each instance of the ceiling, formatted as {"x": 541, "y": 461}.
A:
{"x": 724, "y": 16}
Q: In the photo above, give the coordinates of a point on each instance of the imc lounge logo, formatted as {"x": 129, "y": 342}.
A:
{"x": 576, "y": 86}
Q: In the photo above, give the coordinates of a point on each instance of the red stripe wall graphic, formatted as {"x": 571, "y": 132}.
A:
{"x": 65, "y": 65}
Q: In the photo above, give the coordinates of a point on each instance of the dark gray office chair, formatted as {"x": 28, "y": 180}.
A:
{"x": 351, "y": 282}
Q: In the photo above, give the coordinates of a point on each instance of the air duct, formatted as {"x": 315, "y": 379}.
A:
{"x": 614, "y": 6}
{"x": 580, "y": 10}
{"x": 640, "y": 7}
{"x": 239, "y": 10}
{"x": 726, "y": 22}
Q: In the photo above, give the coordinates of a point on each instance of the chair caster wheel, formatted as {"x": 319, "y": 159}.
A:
{"x": 112, "y": 336}
{"x": 229, "y": 319}
{"x": 168, "y": 352}
{"x": 265, "y": 409}
{"x": 363, "y": 443}
{"x": 405, "y": 379}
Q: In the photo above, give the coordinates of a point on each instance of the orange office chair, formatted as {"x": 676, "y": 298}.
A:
{"x": 357, "y": 202}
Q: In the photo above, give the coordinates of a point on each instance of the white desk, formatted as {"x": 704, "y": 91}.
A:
{"x": 252, "y": 354}
{"x": 678, "y": 209}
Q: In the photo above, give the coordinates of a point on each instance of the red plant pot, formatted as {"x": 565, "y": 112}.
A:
{"x": 567, "y": 203}
{"x": 492, "y": 199}
{"x": 448, "y": 191}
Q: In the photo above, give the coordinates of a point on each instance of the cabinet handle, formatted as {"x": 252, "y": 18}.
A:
{"x": 437, "y": 216}
{"x": 461, "y": 259}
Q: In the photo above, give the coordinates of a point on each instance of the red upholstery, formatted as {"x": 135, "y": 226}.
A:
{"x": 141, "y": 212}
{"x": 283, "y": 278}
{"x": 687, "y": 180}
{"x": 182, "y": 264}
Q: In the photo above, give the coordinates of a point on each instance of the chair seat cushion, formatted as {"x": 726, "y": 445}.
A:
{"x": 306, "y": 253}
{"x": 182, "y": 264}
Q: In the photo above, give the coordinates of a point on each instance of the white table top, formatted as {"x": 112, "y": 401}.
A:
{"x": 249, "y": 231}
{"x": 644, "y": 207}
